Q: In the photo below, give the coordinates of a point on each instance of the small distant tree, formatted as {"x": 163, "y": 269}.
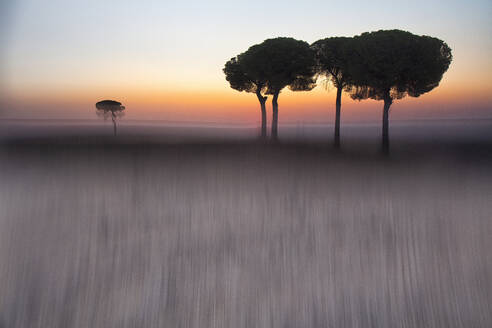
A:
{"x": 283, "y": 62}
{"x": 333, "y": 59}
{"x": 110, "y": 109}
{"x": 392, "y": 64}
{"x": 242, "y": 79}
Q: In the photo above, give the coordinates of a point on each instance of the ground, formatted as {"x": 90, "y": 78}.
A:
{"x": 101, "y": 234}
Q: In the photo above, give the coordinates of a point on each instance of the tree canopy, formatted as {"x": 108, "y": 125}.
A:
{"x": 281, "y": 62}
{"x": 395, "y": 63}
{"x": 108, "y": 108}
{"x": 271, "y": 66}
{"x": 333, "y": 59}
{"x": 242, "y": 79}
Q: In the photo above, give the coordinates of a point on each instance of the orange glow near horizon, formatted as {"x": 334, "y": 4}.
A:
{"x": 465, "y": 89}
{"x": 223, "y": 103}
{"x": 164, "y": 60}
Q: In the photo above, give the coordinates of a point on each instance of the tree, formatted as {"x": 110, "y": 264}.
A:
{"x": 282, "y": 62}
{"x": 110, "y": 108}
{"x": 392, "y": 64}
{"x": 269, "y": 67}
{"x": 333, "y": 59}
{"x": 250, "y": 81}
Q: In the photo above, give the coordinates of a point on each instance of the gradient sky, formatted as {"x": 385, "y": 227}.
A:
{"x": 164, "y": 59}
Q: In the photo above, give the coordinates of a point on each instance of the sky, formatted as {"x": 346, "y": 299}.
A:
{"x": 163, "y": 59}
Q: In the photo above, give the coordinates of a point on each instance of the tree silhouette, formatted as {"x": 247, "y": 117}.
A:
{"x": 391, "y": 64}
{"x": 333, "y": 59}
{"x": 269, "y": 67}
{"x": 242, "y": 79}
{"x": 110, "y": 108}
{"x": 284, "y": 62}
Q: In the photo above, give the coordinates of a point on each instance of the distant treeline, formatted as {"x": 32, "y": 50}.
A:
{"x": 383, "y": 65}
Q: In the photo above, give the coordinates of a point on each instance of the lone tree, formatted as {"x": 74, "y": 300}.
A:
{"x": 333, "y": 60}
{"x": 110, "y": 108}
{"x": 392, "y": 64}
{"x": 284, "y": 62}
{"x": 250, "y": 80}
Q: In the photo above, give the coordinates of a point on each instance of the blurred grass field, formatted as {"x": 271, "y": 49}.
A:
{"x": 243, "y": 235}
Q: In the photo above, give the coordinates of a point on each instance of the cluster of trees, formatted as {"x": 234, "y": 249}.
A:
{"x": 384, "y": 65}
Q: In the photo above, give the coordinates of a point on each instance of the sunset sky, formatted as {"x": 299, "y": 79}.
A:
{"x": 164, "y": 59}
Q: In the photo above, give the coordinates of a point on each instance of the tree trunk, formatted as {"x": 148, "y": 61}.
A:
{"x": 387, "y": 103}
{"x": 263, "y": 115}
{"x": 337, "y": 117}
{"x": 114, "y": 124}
{"x": 275, "y": 116}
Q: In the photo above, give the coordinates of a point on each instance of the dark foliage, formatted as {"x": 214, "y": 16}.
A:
{"x": 394, "y": 63}
{"x": 282, "y": 62}
{"x": 240, "y": 79}
{"x": 333, "y": 59}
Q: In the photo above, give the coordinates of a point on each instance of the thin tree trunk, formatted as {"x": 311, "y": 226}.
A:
{"x": 114, "y": 124}
{"x": 338, "y": 106}
{"x": 275, "y": 116}
{"x": 387, "y": 103}
{"x": 263, "y": 114}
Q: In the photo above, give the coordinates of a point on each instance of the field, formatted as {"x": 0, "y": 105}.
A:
{"x": 244, "y": 235}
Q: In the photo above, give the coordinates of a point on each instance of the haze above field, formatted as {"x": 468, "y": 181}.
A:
{"x": 164, "y": 60}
